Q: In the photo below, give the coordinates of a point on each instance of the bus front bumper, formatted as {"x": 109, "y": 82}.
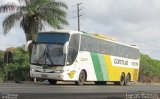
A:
{"x": 55, "y": 76}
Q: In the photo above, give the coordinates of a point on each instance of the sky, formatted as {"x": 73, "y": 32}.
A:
{"x": 133, "y": 22}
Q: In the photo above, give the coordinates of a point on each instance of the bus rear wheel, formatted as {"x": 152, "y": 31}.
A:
{"x": 82, "y": 78}
{"x": 127, "y": 80}
{"x": 122, "y": 80}
{"x": 52, "y": 82}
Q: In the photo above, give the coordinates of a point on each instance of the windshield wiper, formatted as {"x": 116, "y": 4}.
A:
{"x": 45, "y": 55}
{"x": 49, "y": 56}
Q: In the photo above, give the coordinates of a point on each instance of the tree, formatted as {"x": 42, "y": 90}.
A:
{"x": 33, "y": 14}
{"x": 16, "y": 70}
{"x": 149, "y": 69}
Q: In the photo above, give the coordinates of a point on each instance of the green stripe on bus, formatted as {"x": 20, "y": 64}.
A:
{"x": 97, "y": 66}
{"x": 103, "y": 66}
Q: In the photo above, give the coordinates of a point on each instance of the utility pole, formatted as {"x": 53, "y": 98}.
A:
{"x": 78, "y": 15}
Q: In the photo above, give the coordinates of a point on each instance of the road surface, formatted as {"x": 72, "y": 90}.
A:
{"x": 30, "y": 90}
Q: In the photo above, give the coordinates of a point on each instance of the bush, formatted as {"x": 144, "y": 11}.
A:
{"x": 149, "y": 69}
{"x": 18, "y": 69}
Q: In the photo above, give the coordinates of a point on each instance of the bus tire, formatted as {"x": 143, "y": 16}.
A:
{"x": 100, "y": 82}
{"x": 52, "y": 82}
{"x": 127, "y": 80}
{"x": 82, "y": 78}
{"x": 122, "y": 80}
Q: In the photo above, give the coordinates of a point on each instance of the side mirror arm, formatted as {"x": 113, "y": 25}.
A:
{"x": 27, "y": 45}
{"x": 65, "y": 47}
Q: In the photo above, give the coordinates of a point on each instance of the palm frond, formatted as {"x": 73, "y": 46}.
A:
{"x": 62, "y": 20}
{"x": 53, "y": 21}
{"x": 48, "y": 3}
{"x": 9, "y": 22}
{"x": 25, "y": 2}
{"x": 31, "y": 25}
{"x": 53, "y": 10}
{"x": 60, "y": 4}
{"x": 57, "y": 14}
{"x": 34, "y": 13}
{"x": 56, "y": 4}
{"x": 8, "y": 7}
{"x": 52, "y": 13}
{"x": 52, "y": 6}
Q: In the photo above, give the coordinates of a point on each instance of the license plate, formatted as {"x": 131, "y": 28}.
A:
{"x": 44, "y": 76}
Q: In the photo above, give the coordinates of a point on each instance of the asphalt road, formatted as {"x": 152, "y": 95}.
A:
{"x": 30, "y": 90}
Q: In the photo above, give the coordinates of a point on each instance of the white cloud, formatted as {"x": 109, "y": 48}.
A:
{"x": 14, "y": 38}
{"x": 8, "y": 1}
{"x": 129, "y": 21}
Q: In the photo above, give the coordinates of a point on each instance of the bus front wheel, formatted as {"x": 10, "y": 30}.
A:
{"x": 82, "y": 78}
{"x": 52, "y": 82}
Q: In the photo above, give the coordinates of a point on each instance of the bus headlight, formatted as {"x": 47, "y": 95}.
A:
{"x": 32, "y": 69}
{"x": 58, "y": 71}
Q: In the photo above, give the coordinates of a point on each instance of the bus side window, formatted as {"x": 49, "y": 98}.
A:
{"x": 73, "y": 48}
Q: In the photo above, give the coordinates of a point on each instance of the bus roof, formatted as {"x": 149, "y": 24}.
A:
{"x": 107, "y": 38}
{"x": 95, "y": 35}
{"x": 62, "y": 31}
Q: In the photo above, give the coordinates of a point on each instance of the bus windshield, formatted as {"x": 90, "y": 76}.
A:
{"x": 48, "y": 49}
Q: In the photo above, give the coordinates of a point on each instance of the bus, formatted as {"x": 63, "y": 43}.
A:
{"x": 81, "y": 57}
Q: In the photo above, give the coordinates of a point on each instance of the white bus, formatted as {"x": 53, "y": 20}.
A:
{"x": 82, "y": 57}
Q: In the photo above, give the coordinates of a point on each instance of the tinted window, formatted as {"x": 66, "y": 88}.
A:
{"x": 73, "y": 49}
{"x": 95, "y": 45}
{"x": 52, "y": 38}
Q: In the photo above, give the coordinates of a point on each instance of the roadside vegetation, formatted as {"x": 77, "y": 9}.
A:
{"x": 32, "y": 16}
{"x": 18, "y": 68}
{"x": 149, "y": 69}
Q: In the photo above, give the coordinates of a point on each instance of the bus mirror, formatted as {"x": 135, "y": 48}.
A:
{"x": 65, "y": 47}
{"x": 27, "y": 45}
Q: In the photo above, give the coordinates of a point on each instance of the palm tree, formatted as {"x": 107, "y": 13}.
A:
{"x": 33, "y": 14}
